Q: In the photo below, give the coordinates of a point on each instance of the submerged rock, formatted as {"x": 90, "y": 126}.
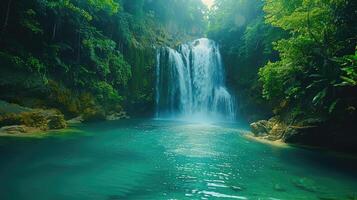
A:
{"x": 238, "y": 188}
{"x": 305, "y": 184}
{"x": 279, "y": 188}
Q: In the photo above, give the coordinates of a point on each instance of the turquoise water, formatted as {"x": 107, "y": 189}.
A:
{"x": 146, "y": 159}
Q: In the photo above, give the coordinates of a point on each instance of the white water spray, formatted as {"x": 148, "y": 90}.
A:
{"x": 190, "y": 83}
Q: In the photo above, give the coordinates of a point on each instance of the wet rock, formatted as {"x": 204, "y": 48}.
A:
{"x": 15, "y": 129}
{"x": 277, "y": 129}
{"x": 273, "y": 129}
{"x": 35, "y": 119}
{"x": 18, "y": 119}
{"x": 260, "y": 127}
{"x": 44, "y": 119}
{"x": 117, "y": 116}
{"x": 76, "y": 120}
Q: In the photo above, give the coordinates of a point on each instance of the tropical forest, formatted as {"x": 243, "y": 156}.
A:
{"x": 178, "y": 99}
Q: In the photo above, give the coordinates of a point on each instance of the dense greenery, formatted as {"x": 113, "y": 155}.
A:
{"x": 88, "y": 56}
{"x": 317, "y": 68}
{"x": 246, "y": 45}
{"x": 293, "y": 59}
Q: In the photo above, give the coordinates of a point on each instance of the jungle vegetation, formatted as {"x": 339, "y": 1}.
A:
{"x": 295, "y": 59}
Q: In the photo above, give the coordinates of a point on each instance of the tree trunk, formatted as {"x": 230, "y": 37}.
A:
{"x": 7, "y": 15}
{"x": 54, "y": 31}
{"x": 79, "y": 46}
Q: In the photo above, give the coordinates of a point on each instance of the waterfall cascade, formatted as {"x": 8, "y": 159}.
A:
{"x": 190, "y": 83}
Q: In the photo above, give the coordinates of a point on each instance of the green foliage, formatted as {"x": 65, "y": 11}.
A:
{"x": 349, "y": 70}
{"x": 312, "y": 70}
{"x": 31, "y": 23}
{"x": 108, "y": 61}
{"x": 246, "y": 45}
{"x": 109, "y": 6}
{"x": 10, "y": 119}
{"x": 106, "y": 94}
{"x": 90, "y": 50}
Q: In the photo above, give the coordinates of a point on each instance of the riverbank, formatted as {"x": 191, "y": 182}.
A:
{"x": 275, "y": 143}
{"x": 311, "y": 133}
{"x": 20, "y": 121}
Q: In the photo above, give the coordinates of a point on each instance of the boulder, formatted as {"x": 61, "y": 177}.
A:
{"x": 35, "y": 119}
{"x": 260, "y": 128}
{"x": 56, "y": 122}
{"x": 273, "y": 129}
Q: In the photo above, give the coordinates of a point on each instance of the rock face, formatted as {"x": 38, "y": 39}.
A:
{"x": 313, "y": 132}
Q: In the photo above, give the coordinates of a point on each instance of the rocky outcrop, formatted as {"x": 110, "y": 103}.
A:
{"x": 44, "y": 119}
{"x": 275, "y": 129}
{"x": 56, "y": 122}
{"x": 271, "y": 130}
{"x": 15, "y": 119}
{"x": 16, "y": 129}
{"x": 260, "y": 128}
{"x": 19, "y": 130}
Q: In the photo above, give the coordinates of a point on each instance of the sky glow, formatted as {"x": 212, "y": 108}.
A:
{"x": 208, "y": 3}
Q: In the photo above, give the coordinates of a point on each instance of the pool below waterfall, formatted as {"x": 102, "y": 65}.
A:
{"x": 153, "y": 159}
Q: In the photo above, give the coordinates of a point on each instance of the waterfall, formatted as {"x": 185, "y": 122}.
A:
{"x": 190, "y": 83}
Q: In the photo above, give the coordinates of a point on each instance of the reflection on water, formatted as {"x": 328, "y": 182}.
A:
{"x": 167, "y": 160}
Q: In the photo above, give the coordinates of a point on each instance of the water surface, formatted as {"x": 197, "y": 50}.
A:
{"x": 146, "y": 159}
